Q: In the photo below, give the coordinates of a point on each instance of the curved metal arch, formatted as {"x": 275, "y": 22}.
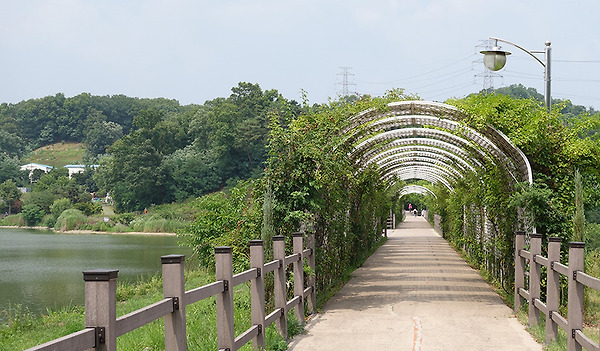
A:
{"x": 514, "y": 156}
{"x": 419, "y": 173}
{"x": 410, "y": 161}
{"x": 406, "y": 153}
{"x": 401, "y": 122}
{"x": 425, "y": 142}
{"x": 435, "y": 169}
{"x": 423, "y": 150}
{"x": 416, "y": 189}
{"x": 447, "y": 137}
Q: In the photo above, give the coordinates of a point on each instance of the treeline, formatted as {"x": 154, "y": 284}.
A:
{"x": 150, "y": 151}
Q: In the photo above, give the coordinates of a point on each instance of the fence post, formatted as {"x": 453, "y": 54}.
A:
{"x": 534, "y": 278}
{"x": 519, "y": 269}
{"x": 224, "y": 272}
{"x": 312, "y": 278}
{"x": 279, "y": 282}
{"x": 257, "y": 292}
{"x": 298, "y": 243}
{"x": 174, "y": 287}
{"x": 552, "y": 289}
{"x": 101, "y": 306}
{"x": 575, "y": 302}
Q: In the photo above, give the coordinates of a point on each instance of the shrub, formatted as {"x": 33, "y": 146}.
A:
{"x": 59, "y": 205}
{"x": 32, "y": 214}
{"x": 89, "y": 208}
{"x": 70, "y": 219}
{"x": 15, "y": 220}
{"x": 49, "y": 220}
{"x": 124, "y": 218}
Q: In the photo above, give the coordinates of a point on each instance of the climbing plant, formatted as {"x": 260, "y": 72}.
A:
{"x": 554, "y": 149}
{"x": 318, "y": 188}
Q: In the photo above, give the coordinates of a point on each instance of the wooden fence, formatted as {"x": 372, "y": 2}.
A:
{"x": 103, "y": 327}
{"x": 577, "y": 279}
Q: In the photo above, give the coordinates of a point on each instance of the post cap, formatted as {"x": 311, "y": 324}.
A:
{"x": 256, "y": 243}
{"x": 100, "y": 275}
{"x": 223, "y": 249}
{"x": 278, "y": 238}
{"x": 576, "y": 245}
{"x": 554, "y": 239}
{"x": 171, "y": 259}
{"x": 298, "y": 234}
{"x": 536, "y": 236}
{"x": 520, "y": 233}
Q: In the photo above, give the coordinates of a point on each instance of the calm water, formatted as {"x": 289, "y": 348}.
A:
{"x": 42, "y": 269}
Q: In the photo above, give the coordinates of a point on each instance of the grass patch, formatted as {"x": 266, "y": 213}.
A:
{"x": 13, "y": 220}
{"x": 22, "y": 331}
{"x": 57, "y": 155}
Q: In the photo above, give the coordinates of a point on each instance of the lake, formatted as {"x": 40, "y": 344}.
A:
{"x": 41, "y": 269}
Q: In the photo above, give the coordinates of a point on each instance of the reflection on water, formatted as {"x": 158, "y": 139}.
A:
{"x": 42, "y": 269}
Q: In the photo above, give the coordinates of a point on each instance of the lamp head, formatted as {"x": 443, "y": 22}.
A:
{"x": 494, "y": 59}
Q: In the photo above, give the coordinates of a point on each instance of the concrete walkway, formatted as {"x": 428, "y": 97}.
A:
{"x": 415, "y": 293}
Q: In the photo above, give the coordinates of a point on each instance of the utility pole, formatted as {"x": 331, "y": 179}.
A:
{"x": 345, "y": 83}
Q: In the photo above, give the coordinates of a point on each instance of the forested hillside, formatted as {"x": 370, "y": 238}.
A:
{"x": 151, "y": 151}
{"x": 154, "y": 151}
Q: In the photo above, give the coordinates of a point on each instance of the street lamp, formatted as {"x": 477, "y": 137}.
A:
{"x": 495, "y": 59}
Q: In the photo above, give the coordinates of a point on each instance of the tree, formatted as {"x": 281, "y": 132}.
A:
{"x": 9, "y": 194}
{"x": 133, "y": 174}
{"x": 10, "y": 169}
{"x": 32, "y": 213}
{"x": 101, "y": 135}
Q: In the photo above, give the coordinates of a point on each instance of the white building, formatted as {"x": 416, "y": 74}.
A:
{"x": 33, "y": 166}
{"x": 73, "y": 169}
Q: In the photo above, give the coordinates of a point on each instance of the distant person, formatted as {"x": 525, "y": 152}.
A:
{"x": 415, "y": 212}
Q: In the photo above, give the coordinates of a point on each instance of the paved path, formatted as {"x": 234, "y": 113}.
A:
{"x": 415, "y": 293}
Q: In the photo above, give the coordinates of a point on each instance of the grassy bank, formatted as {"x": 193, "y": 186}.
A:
{"x": 23, "y": 330}
{"x": 167, "y": 218}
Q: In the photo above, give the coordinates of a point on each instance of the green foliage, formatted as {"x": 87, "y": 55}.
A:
{"x": 88, "y": 208}
{"x": 229, "y": 218}
{"x": 9, "y": 194}
{"x": 10, "y": 170}
{"x": 32, "y": 214}
{"x": 70, "y": 219}
{"x": 156, "y": 224}
{"x": 14, "y": 220}
{"x": 318, "y": 189}
{"x": 59, "y": 205}
{"x": 579, "y": 216}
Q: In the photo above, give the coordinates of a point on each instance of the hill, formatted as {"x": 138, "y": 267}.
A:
{"x": 57, "y": 155}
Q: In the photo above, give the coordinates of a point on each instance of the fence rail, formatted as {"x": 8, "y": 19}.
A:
{"x": 577, "y": 279}
{"x": 103, "y": 327}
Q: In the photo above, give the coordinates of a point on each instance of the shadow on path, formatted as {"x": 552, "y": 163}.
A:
{"x": 415, "y": 293}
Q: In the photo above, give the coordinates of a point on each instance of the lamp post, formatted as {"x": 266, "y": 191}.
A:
{"x": 495, "y": 59}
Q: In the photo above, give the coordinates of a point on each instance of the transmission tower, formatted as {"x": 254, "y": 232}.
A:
{"x": 345, "y": 83}
{"x": 487, "y": 75}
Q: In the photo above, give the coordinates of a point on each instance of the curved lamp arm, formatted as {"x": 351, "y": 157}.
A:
{"x": 517, "y": 46}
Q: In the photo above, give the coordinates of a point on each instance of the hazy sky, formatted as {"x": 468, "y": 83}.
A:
{"x": 193, "y": 50}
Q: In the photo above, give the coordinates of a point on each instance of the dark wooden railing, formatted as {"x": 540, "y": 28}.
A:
{"x": 573, "y": 324}
{"x": 103, "y": 327}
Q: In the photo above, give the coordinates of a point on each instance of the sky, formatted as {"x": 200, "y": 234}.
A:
{"x": 197, "y": 50}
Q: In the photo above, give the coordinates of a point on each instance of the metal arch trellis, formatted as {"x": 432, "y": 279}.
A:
{"x": 436, "y": 115}
{"x": 419, "y": 172}
{"x": 423, "y": 150}
{"x": 416, "y": 189}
